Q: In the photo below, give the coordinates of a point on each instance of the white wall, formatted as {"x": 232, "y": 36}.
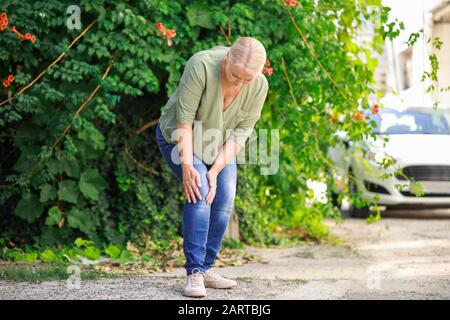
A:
{"x": 415, "y": 14}
{"x": 442, "y": 30}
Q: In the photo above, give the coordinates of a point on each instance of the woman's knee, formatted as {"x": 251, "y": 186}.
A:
{"x": 225, "y": 195}
{"x": 204, "y": 184}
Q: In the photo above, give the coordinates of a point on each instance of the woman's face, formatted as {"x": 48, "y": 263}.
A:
{"x": 236, "y": 75}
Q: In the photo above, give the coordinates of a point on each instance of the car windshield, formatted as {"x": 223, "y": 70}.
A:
{"x": 410, "y": 122}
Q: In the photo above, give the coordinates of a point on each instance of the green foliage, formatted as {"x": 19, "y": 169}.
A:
{"x": 113, "y": 251}
{"x": 92, "y": 183}
{"x": 54, "y": 216}
{"x": 69, "y": 253}
{"x": 232, "y": 244}
{"x": 45, "y": 272}
{"x": 29, "y": 208}
{"x": 87, "y": 249}
{"x": 48, "y": 256}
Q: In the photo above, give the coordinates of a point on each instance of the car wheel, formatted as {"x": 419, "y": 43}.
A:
{"x": 361, "y": 213}
{"x": 335, "y": 200}
{"x": 333, "y": 196}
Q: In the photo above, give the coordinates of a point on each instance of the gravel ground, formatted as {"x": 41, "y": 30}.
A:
{"x": 404, "y": 256}
{"x": 143, "y": 287}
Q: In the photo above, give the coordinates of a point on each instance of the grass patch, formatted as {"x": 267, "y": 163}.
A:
{"x": 244, "y": 279}
{"x": 45, "y": 272}
{"x": 335, "y": 241}
{"x": 232, "y": 243}
{"x": 294, "y": 281}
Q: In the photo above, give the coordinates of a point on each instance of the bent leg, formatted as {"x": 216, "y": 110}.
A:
{"x": 221, "y": 209}
{"x": 196, "y": 219}
{"x": 196, "y": 216}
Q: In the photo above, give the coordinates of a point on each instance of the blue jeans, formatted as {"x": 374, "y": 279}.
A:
{"x": 203, "y": 225}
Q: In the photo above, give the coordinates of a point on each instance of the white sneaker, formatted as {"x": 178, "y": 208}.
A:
{"x": 194, "y": 285}
{"x": 213, "y": 280}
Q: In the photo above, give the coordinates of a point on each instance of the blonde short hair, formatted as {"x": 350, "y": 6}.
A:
{"x": 248, "y": 53}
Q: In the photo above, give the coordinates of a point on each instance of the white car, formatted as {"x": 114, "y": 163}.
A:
{"x": 419, "y": 144}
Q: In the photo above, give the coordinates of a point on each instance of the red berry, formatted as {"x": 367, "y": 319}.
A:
{"x": 375, "y": 109}
{"x": 267, "y": 71}
{"x": 292, "y": 3}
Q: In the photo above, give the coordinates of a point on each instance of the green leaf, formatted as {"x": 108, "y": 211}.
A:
{"x": 91, "y": 252}
{"x": 71, "y": 168}
{"x": 200, "y": 14}
{"x": 48, "y": 256}
{"x": 91, "y": 184}
{"x": 68, "y": 191}
{"x": 29, "y": 257}
{"x": 85, "y": 151}
{"x": 373, "y": 2}
{"x": 113, "y": 251}
{"x": 29, "y": 208}
{"x": 47, "y": 193}
{"x": 54, "y": 216}
{"x": 81, "y": 220}
{"x": 416, "y": 188}
{"x": 80, "y": 242}
{"x": 372, "y": 63}
{"x": 54, "y": 166}
{"x": 126, "y": 257}
{"x": 93, "y": 137}
{"x": 24, "y": 163}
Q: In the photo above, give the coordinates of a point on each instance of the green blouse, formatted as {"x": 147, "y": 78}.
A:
{"x": 198, "y": 100}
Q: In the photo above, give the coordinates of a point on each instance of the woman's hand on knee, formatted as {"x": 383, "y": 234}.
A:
{"x": 191, "y": 184}
{"x": 212, "y": 180}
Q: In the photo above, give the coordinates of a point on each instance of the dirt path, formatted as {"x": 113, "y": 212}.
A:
{"x": 396, "y": 258}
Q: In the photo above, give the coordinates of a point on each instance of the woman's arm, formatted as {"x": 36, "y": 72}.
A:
{"x": 191, "y": 87}
{"x": 191, "y": 177}
{"x": 227, "y": 152}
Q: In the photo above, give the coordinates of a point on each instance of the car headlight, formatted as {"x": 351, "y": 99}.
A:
{"x": 378, "y": 156}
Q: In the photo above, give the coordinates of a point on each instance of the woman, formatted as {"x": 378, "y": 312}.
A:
{"x": 222, "y": 90}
